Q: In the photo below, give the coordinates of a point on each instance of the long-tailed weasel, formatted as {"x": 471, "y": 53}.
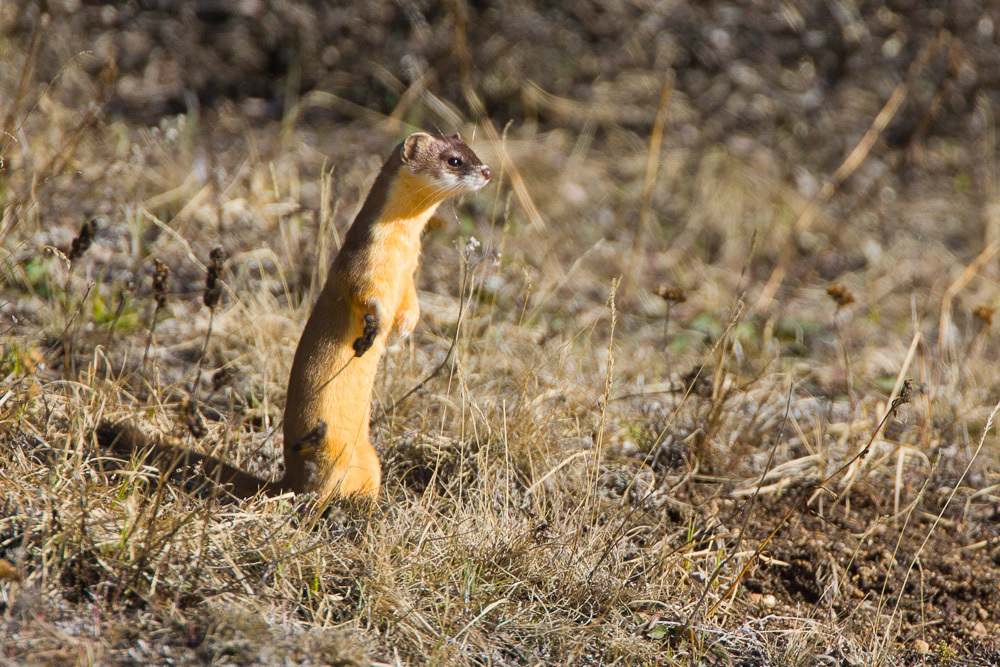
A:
{"x": 369, "y": 292}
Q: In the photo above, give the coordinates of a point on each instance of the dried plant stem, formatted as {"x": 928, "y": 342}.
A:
{"x": 119, "y": 309}
{"x": 856, "y": 465}
{"x": 945, "y": 341}
{"x": 608, "y": 381}
{"x": 666, "y": 328}
{"x": 204, "y": 351}
{"x": 79, "y": 309}
{"x": 10, "y": 120}
{"x": 848, "y": 379}
{"x": 598, "y": 450}
{"x": 733, "y": 321}
{"x": 149, "y": 338}
{"x": 517, "y": 182}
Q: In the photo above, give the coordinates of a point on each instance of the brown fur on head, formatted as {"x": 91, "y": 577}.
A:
{"x": 448, "y": 160}
{"x": 422, "y": 171}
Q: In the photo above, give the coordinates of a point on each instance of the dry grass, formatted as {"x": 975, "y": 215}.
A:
{"x": 579, "y": 484}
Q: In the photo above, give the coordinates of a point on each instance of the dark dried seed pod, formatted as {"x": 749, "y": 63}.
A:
{"x": 670, "y": 294}
{"x": 161, "y": 273}
{"x": 213, "y": 288}
{"x": 222, "y": 378}
{"x": 193, "y": 419}
{"x": 83, "y": 239}
{"x": 984, "y": 314}
{"x": 840, "y": 295}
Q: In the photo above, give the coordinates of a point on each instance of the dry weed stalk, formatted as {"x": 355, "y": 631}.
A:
{"x": 695, "y": 383}
{"x": 671, "y": 296}
{"x": 609, "y": 378}
{"x": 9, "y": 124}
{"x": 211, "y": 297}
{"x": 842, "y": 297}
{"x": 903, "y": 386}
{"x": 946, "y": 339}
{"x": 81, "y": 242}
{"x": 652, "y": 169}
{"x": 124, "y": 295}
{"x": 161, "y": 274}
{"x": 982, "y": 322}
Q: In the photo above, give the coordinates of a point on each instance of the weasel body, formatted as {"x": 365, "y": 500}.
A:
{"x": 371, "y": 276}
{"x": 368, "y": 293}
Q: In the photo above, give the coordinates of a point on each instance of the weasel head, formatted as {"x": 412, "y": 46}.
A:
{"x": 445, "y": 164}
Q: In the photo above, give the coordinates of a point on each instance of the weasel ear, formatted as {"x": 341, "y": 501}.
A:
{"x": 414, "y": 143}
{"x": 456, "y": 136}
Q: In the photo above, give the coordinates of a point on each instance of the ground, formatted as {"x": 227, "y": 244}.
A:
{"x": 717, "y": 354}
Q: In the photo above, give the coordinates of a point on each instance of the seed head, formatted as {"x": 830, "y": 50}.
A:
{"x": 161, "y": 273}
{"x": 904, "y": 397}
{"x": 83, "y": 239}
{"x": 193, "y": 419}
{"x": 222, "y": 378}
{"x": 984, "y": 314}
{"x": 670, "y": 294}
{"x": 213, "y": 289}
{"x": 840, "y": 295}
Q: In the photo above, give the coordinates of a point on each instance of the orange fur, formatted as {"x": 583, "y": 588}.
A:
{"x": 346, "y": 462}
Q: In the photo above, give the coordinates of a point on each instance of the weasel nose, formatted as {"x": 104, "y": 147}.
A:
{"x": 485, "y": 172}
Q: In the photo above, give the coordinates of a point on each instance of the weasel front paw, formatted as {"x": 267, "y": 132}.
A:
{"x": 367, "y": 339}
{"x": 406, "y": 321}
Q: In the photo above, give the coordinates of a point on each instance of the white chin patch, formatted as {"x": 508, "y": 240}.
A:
{"x": 473, "y": 182}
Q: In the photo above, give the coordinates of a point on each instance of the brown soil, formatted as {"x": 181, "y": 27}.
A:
{"x": 916, "y": 577}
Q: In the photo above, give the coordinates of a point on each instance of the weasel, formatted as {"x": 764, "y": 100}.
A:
{"x": 369, "y": 292}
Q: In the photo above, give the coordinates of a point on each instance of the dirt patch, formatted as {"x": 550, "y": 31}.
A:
{"x": 914, "y": 577}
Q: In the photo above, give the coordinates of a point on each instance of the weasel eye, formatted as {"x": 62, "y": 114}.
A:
{"x": 455, "y": 161}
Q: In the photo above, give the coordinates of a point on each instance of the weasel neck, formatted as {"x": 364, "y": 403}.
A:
{"x": 403, "y": 204}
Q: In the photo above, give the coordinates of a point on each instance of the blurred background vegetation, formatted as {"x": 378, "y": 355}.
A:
{"x": 800, "y": 200}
